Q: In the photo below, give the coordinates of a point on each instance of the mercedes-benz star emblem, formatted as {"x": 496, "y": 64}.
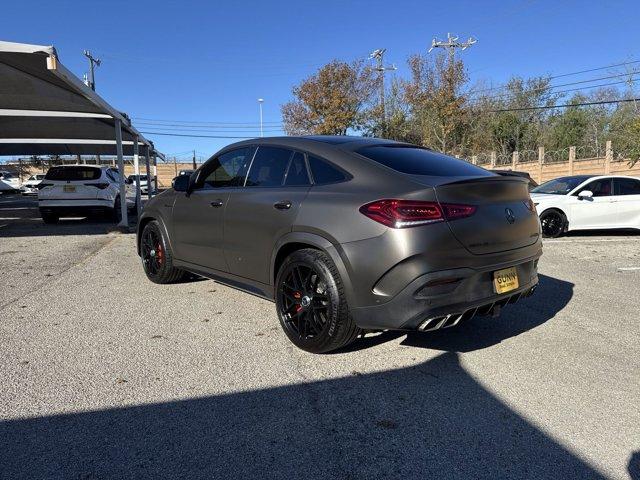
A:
{"x": 511, "y": 218}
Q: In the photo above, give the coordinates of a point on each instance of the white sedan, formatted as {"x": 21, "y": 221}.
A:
{"x": 587, "y": 202}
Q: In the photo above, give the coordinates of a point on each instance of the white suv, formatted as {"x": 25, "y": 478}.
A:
{"x": 79, "y": 191}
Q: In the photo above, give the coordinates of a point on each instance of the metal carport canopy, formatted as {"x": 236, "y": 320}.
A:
{"x": 46, "y": 110}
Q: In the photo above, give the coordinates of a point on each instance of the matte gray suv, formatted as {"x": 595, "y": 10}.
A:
{"x": 348, "y": 234}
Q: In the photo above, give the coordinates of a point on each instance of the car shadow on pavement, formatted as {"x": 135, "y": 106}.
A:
{"x": 431, "y": 420}
{"x": 551, "y": 296}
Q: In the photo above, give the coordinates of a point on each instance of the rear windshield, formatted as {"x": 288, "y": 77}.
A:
{"x": 73, "y": 173}
{"x": 420, "y": 161}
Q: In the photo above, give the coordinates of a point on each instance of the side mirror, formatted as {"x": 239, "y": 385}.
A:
{"x": 585, "y": 195}
{"x": 180, "y": 183}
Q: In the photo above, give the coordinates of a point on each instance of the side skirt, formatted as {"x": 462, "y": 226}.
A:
{"x": 234, "y": 281}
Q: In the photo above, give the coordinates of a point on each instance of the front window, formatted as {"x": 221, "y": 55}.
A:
{"x": 599, "y": 188}
{"x": 559, "y": 186}
{"x": 227, "y": 170}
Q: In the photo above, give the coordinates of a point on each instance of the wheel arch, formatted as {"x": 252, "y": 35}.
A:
{"x": 293, "y": 241}
{"x": 144, "y": 221}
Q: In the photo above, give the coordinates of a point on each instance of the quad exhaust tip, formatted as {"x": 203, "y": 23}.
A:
{"x": 453, "y": 319}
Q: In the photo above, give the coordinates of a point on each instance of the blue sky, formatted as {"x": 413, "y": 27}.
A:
{"x": 211, "y": 61}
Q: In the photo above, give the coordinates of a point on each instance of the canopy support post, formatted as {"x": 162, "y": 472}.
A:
{"x": 124, "y": 222}
{"x": 136, "y": 171}
{"x": 146, "y": 158}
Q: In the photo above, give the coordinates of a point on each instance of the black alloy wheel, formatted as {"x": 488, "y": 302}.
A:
{"x": 304, "y": 302}
{"x": 152, "y": 251}
{"x": 311, "y": 302}
{"x": 553, "y": 224}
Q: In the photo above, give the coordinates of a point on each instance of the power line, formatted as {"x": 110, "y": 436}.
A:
{"x": 195, "y": 136}
{"x": 552, "y": 87}
{"x": 566, "y": 105}
{"x": 186, "y": 130}
{"x": 197, "y": 122}
{"x": 205, "y": 127}
{"x": 553, "y": 77}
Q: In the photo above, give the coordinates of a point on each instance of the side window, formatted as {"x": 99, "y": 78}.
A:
{"x": 600, "y": 188}
{"x": 297, "y": 174}
{"x": 268, "y": 167}
{"x": 323, "y": 172}
{"x": 227, "y": 170}
{"x": 626, "y": 186}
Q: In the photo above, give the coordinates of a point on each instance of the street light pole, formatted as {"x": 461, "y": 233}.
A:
{"x": 260, "y": 102}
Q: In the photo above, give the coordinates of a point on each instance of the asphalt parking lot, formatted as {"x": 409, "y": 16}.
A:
{"x": 105, "y": 375}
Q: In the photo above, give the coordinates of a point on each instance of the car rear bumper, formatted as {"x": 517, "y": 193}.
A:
{"x": 75, "y": 203}
{"x": 441, "y": 299}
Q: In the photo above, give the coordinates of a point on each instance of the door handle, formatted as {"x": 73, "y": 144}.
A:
{"x": 217, "y": 203}
{"x": 283, "y": 205}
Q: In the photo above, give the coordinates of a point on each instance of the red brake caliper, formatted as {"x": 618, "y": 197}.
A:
{"x": 159, "y": 253}
{"x": 297, "y": 296}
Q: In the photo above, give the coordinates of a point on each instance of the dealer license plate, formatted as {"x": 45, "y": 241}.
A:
{"x": 505, "y": 280}
{"x": 69, "y": 189}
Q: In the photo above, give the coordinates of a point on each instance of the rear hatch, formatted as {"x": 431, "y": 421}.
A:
{"x": 503, "y": 219}
{"x": 77, "y": 182}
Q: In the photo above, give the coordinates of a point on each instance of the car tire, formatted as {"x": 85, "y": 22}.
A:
{"x": 553, "y": 223}
{"x": 311, "y": 303}
{"x": 49, "y": 217}
{"x": 156, "y": 255}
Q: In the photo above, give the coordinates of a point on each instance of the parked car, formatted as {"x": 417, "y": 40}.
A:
{"x": 587, "y": 202}
{"x": 348, "y": 233}
{"x": 9, "y": 183}
{"x": 185, "y": 172}
{"x": 30, "y": 187}
{"x": 532, "y": 183}
{"x": 80, "y": 190}
{"x": 144, "y": 184}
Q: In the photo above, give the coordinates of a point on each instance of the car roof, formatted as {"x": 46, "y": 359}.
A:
{"x": 317, "y": 142}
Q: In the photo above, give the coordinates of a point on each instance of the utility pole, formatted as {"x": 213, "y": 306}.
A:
{"x": 93, "y": 62}
{"x": 194, "y": 160}
{"x": 451, "y": 44}
{"x": 260, "y": 102}
{"x": 381, "y": 68}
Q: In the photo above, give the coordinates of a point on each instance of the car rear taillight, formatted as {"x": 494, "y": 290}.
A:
{"x": 101, "y": 186}
{"x": 410, "y": 213}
